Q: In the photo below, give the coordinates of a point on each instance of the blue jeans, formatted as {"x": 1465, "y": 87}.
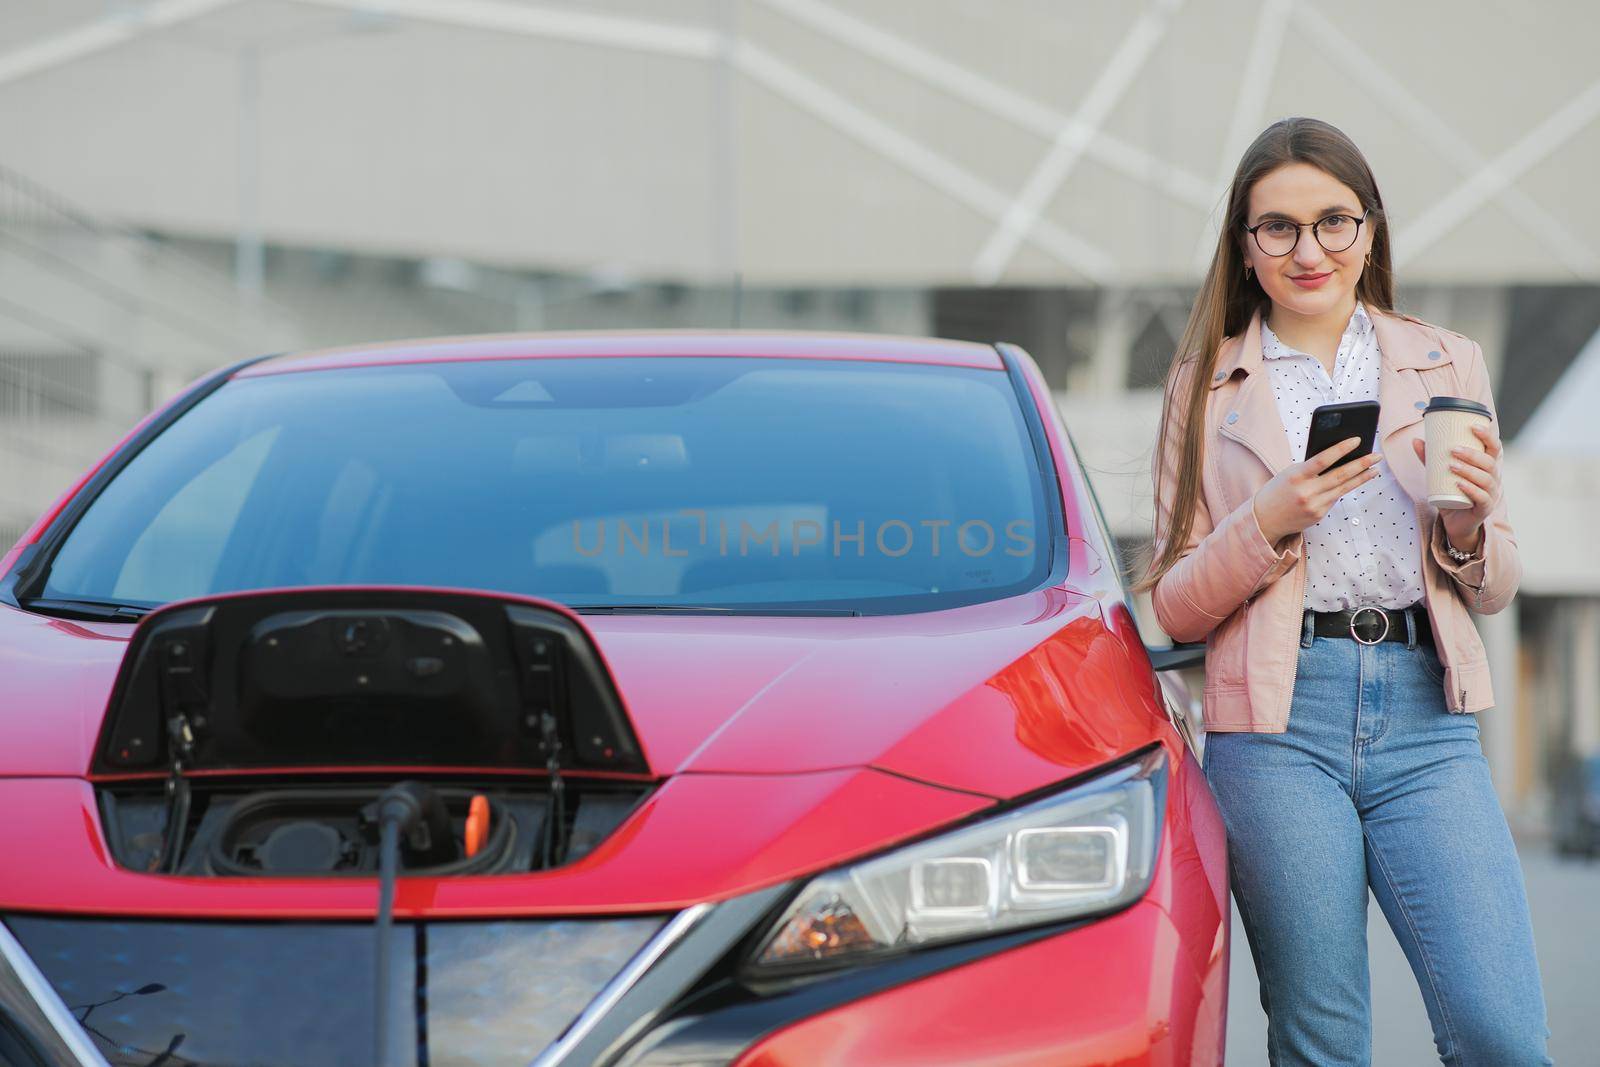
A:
{"x": 1375, "y": 784}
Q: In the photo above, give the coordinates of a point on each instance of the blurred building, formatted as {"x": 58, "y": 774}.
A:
{"x": 190, "y": 181}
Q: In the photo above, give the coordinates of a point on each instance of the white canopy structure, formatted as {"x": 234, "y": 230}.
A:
{"x": 804, "y": 142}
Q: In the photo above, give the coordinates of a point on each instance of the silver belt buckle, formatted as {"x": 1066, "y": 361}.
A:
{"x": 1381, "y": 614}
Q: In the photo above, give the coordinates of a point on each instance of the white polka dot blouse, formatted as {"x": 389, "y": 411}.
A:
{"x": 1366, "y": 549}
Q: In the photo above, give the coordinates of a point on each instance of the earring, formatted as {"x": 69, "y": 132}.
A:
{"x": 1247, "y": 270}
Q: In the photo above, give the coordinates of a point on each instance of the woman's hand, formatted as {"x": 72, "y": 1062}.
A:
{"x": 1478, "y": 475}
{"x": 1302, "y": 493}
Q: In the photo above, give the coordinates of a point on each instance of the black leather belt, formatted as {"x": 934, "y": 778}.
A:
{"x": 1369, "y": 625}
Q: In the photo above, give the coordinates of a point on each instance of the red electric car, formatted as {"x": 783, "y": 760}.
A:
{"x": 661, "y": 698}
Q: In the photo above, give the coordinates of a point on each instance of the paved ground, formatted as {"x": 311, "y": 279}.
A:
{"x": 1564, "y": 896}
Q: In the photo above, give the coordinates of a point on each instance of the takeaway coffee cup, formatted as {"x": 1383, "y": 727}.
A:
{"x": 1448, "y": 421}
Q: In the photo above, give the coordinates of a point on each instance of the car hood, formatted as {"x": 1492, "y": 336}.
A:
{"x": 995, "y": 699}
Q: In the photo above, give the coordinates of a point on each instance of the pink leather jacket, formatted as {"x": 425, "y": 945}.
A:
{"x": 1246, "y": 599}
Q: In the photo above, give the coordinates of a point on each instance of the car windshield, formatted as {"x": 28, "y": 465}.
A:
{"x": 621, "y": 483}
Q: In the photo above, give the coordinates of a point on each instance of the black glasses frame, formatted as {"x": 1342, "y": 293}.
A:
{"x": 1315, "y": 228}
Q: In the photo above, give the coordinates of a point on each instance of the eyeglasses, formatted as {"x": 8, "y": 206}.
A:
{"x": 1335, "y": 233}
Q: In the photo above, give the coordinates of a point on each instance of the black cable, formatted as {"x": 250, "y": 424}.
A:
{"x": 402, "y": 809}
{"x": 555, "y": 827}
{"x": 420, "y": 950}
{"x": 555, "y": 830}
{"x": 177, "y": 824}
{"x": 388, "y": 866}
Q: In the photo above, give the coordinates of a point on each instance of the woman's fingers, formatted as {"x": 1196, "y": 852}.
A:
{"x": 1483, "y": 479}
{"x": 1476, "y": 494}
{"x": 1481, "y": 460}
{"x": 1490, "y": 440}
{"x": 1338, "y": 477}
{"x": 1342, "y": 482}
{"x": 1323, "y": 460}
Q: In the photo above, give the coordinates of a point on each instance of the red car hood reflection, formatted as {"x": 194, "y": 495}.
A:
{"x": 996, "y": 699}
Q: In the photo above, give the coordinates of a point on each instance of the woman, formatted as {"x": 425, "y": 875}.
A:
{"x": 1342, "y": 664}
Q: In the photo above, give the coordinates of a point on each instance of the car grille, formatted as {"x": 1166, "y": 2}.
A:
{"x": 231, "y": 994}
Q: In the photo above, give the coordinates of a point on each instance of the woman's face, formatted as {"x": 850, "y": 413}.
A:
{"x": 1310, "y": 281}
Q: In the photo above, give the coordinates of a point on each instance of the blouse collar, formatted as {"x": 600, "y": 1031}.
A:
{"x": 1272, "y": 347}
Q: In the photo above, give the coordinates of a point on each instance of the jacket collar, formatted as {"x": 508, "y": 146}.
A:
{"x": 1403, "y": 342}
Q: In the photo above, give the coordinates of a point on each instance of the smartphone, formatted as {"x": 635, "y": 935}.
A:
{"x": 1332, "y": 423}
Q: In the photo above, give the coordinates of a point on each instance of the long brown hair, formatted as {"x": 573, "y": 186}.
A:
{"x": 1227, "y": 300}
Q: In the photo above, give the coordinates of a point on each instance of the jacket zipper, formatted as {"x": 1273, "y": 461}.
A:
{"x": 1294, "y": 658}
{"x": 1427, "y": 608}
{"x": 1477, "y": 602}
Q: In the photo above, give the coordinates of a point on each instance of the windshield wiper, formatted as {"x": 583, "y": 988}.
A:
{"x": 703, "y": 609}
{"x": 99, "y": 610}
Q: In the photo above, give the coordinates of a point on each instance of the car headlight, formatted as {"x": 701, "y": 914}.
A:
{"x": 1086, "y": 850}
